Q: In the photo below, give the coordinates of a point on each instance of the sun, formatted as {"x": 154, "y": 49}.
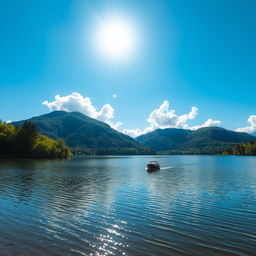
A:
{"x": 115, "y": 39}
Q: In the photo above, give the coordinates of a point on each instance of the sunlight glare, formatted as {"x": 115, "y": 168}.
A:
{"x": 115, "y": 39}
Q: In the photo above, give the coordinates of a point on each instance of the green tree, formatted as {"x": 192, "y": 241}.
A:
{"x": 25, "y": 141}
{"x": 247, "y": 148}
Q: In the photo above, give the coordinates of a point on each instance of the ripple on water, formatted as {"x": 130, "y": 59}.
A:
{"x": 112, "y": 206}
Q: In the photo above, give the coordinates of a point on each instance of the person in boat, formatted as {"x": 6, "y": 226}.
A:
{"x": 153, "y": 166}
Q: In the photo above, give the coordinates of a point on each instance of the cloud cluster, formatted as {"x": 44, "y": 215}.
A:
{"x": 164, "y": 117}
{"x": 252, "y": 127}
{"x": 134, "y": 132}
{"x": 76, "y": 102}
{"x": 209, "y": 123}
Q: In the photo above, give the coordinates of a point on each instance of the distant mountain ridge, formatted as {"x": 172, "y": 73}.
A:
{"x": 86, "y": 135}
{"x": 90, "y": 136}
{"x": 207, "y": 140}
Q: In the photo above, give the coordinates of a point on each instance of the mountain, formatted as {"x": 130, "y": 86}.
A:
{"x": 85, "y": 135}
{"x": 207, "y": 140}
{"x": 254, "y": 134}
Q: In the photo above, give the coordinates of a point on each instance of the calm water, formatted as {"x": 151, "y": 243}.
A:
{"x": 195, "y": 205}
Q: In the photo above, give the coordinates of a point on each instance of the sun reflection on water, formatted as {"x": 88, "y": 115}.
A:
{"x": 112, "y": 241}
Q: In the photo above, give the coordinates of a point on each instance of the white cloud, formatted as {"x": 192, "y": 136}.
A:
{"x": 114, "y": 95}
{"x": 76, "y": 102}
{"x": 252, "y": 127}
{"x": 133, "y": 132}
{"x": 208, "y": 123}
{"x": 163, "y": 117}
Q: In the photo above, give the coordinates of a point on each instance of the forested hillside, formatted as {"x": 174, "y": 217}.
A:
{"x": 25, "y": 141}
{"x": 85, "y": 135}
{"x": 247, "y": 148}
{"x": 207, "y": 140}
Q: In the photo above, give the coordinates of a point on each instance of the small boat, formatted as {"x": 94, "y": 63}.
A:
{"x": 153, "y": 166}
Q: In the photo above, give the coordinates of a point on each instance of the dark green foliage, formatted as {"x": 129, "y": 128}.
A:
{"x": 248, "y": 149}
{"x": 208, "y": 140}
{"x": 25, "y": 141}
{"x": 114, "y": 151}
{"x": 26, "y": 137}
{"x": 85, "y": 135}
{"x": 164, "y": 139}
{"x": 124, "y": 151}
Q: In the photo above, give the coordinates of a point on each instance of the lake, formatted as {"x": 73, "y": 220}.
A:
{"x": 195, "y": 205}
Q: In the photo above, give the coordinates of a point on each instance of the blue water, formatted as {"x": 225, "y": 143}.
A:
{"x": 195, "y": 205}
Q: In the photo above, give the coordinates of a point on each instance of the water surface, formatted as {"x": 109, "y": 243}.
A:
{"x": 195, "y": 205}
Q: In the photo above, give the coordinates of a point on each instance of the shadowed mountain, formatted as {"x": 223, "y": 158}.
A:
{"x": 208, "y": 140}
{"x": 86, "y": 135}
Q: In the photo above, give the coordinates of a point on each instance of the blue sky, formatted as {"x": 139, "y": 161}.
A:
{"x": 198, "y": 53}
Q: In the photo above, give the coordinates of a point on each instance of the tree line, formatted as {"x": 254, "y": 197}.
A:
{"x": 25, "y": 141}
{"x": 114, "y": 151}
{"x": 247, "y": 148}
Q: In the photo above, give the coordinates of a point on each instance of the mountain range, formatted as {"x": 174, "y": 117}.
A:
{"x": 86, "y": 135}
{"x": 207, "y": 140}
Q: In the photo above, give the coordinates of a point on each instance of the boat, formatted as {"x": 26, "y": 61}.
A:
{"x": 153, "y": 166}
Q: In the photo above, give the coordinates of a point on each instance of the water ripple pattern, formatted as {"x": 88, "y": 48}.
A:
{"x": 194, "y": 205}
